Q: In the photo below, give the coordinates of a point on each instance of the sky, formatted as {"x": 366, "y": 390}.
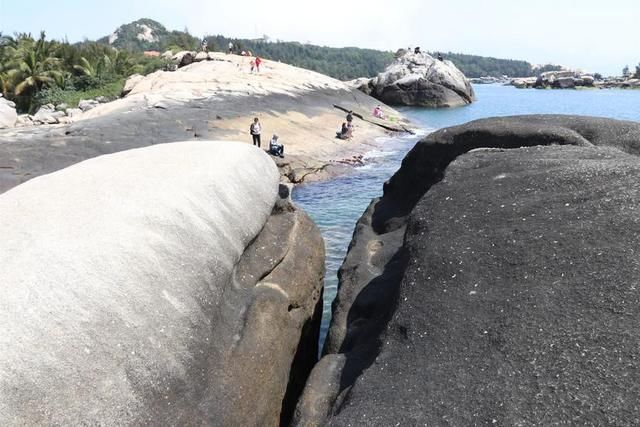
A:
{"x": 588, "y": 35}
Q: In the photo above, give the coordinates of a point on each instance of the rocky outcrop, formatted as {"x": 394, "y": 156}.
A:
{"x": 171, "y": 285}
{"x": 8, "y": 115}
{"x": 492, "y": 283}
{"x": 619, "y": 83}
{"x": 420, "y": 80}
{"x": 206, "y": 100}
{"x": 47, "y": 115}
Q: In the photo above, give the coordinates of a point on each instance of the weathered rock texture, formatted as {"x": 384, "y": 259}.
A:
{"x": 170, "y": 285}
{"x": 420, "y": 80}
{"x": 492, "y": 286}
{"x": 205, "y": 100}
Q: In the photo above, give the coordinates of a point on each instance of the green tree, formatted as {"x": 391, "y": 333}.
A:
{"x": 625, "y": 71}
{"x": 32, "y": 66}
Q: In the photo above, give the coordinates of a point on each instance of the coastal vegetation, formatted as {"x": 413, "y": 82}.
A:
{"x": 37, "y": 71}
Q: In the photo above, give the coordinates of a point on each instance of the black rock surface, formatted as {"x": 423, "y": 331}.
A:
{"x": 513, "y": 295}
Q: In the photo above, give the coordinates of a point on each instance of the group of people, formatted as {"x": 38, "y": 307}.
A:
{"x": 417, "y": 50}
{"x": 346, "y": 130}
{"x": 254, "y": 64}
{"x": 276, "y": 148}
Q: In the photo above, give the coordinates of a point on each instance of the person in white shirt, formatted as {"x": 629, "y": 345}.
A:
{"x": 275, "y": 147}
{"x": 255, "y": 130}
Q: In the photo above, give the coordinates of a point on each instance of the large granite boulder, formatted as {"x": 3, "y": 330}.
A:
{"x": 8, "y": 114}
{"x": 493, "y": 283}
{"x": 169, "y": 285}
{"x": 418, "y": 79}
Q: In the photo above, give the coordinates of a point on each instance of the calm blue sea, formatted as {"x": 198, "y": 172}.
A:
{"x": 337, "y": 204}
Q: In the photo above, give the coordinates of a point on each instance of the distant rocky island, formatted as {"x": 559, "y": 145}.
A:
{"x": 572, "y": 80}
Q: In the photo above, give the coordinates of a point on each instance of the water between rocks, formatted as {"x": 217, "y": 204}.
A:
{"x": 336, "y": 205}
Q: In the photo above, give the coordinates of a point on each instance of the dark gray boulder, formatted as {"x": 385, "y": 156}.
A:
{"x": 168, "y": 285}
{"x": 493, "y": 283}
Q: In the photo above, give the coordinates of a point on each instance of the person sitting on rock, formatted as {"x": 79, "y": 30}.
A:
{"x": 377, "y": 112}
{"x": 440, "y": 58}
{"x": 344, "y": 132}
{"x": 275, "y": 147}
{"x": 416, "y": 50}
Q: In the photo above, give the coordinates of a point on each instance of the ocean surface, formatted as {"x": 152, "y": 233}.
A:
{"x": 337, "y": 204}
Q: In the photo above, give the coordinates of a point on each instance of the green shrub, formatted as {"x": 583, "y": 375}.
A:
{"x": 72, "y": 97}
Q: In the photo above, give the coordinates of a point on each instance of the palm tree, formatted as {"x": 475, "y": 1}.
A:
{"x": 33, "y": 66}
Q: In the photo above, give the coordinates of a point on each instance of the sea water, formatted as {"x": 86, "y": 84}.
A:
{"x": 337, "y": 204}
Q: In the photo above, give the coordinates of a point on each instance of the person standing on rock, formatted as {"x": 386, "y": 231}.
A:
{"x": 258, "y": 62}
{"x": 255, "y": 130}
{"x": 230, "y": 48}
{"x": 349, "y": 116}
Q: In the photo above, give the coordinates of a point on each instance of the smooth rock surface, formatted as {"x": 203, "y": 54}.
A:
{"x": 156, "y": 286}
{"x": 131, "y": 82}
{"x": 214, "y": 100}
{"x": 8, "y": 114}
{"x": 88, "y": 104}
{"x": 493, "y": 283}
{"x": 420, "y": 80}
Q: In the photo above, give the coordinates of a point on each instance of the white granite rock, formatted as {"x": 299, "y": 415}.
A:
{"x": 111, "y": 270}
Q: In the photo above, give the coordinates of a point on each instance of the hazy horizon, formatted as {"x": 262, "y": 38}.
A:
{"x": 575, "y": 34}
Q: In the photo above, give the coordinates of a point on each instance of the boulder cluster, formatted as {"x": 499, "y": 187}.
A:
{"x": 555, "y": 80}
{"x": 50, "y": 114}
{"x": 571, "y": 80}
{"x": 187, "y": 57}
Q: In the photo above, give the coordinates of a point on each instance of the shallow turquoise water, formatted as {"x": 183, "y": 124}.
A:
{"x": 337, "y": 204}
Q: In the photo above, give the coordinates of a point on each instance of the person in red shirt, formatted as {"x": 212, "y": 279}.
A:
{"x": 258, "y": 62}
